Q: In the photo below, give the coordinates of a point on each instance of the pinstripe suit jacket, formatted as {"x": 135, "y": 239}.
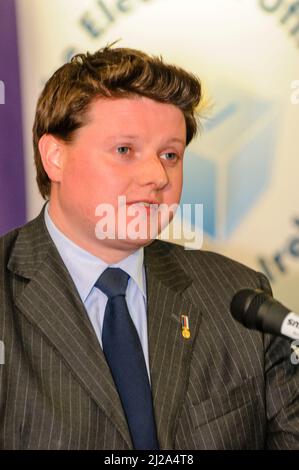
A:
{"x": 224, "y": 388}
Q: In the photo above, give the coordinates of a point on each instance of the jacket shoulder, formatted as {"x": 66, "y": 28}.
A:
{"x": 7, "y": 243}
{"x": 204, "y": 264}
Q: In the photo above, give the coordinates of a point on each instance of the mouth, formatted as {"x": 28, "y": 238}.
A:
{"x": 148, "y": 207}
{"x": 144, "y": 203}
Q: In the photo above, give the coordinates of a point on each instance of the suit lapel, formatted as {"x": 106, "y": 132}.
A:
{"x": 51, "y": 303}
{"x": 170, "y": 353}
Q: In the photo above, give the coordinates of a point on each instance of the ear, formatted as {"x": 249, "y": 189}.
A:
{"x": 50, "y": 149}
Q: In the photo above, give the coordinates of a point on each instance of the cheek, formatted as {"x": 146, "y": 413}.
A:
{"x": 87, "y": 186}
{"x": 75, "y": 182}
{"x": 78, "y": 187}
{"x": 176, "y": 181}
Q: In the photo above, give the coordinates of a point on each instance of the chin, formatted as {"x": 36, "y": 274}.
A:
{"x": 139, "y": 242}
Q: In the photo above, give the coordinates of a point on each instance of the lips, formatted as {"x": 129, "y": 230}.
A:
{"x": 149, "y": 207}
{"x": 145, "y": 203}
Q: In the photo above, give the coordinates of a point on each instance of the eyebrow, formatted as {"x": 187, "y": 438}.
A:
{"x": 176, "y": 139}
{"x": 133, "y": 137}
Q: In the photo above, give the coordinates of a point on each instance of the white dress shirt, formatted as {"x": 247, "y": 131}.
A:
{"x": 86, "y": 268}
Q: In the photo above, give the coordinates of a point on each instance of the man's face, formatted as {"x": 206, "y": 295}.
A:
{"x": 130, "y": 147}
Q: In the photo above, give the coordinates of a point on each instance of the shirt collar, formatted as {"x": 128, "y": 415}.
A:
{"x": 85, "y": 268}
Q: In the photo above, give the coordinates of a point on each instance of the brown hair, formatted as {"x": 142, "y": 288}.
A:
{"x": 109, "y": 72}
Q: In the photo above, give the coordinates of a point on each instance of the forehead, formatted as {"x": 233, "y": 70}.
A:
{"x": 111, "y": 114}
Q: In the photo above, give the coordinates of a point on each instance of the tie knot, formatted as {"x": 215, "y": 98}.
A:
{"x": 113, "y": 282}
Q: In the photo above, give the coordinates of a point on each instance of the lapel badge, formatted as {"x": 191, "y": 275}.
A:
{"x": 185, "y": 327}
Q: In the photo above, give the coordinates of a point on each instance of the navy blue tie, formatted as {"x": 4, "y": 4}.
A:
{"x": 124, "y": 355}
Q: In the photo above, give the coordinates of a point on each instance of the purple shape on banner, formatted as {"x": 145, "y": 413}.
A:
{"x": 12, "y": 180}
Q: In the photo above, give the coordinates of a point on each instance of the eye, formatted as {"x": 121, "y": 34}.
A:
{"x": 123, "y": 150}
{"x": 170, "y": 156}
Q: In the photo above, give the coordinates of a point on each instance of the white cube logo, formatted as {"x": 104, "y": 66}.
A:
{"x": 228, "y": 167}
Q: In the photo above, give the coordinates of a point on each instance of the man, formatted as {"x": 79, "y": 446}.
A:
{"x": 159, "y": 363}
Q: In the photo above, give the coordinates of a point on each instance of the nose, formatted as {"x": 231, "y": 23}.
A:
{"x": 153, "y": 173}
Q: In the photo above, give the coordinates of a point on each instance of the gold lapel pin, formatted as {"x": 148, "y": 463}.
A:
{"x": 185, "y": 327}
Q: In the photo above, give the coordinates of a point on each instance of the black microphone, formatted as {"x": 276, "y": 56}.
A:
{"x": 257, "y": 310}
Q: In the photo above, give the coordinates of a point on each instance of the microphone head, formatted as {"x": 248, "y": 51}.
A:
{"x": 245, "y": 306}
